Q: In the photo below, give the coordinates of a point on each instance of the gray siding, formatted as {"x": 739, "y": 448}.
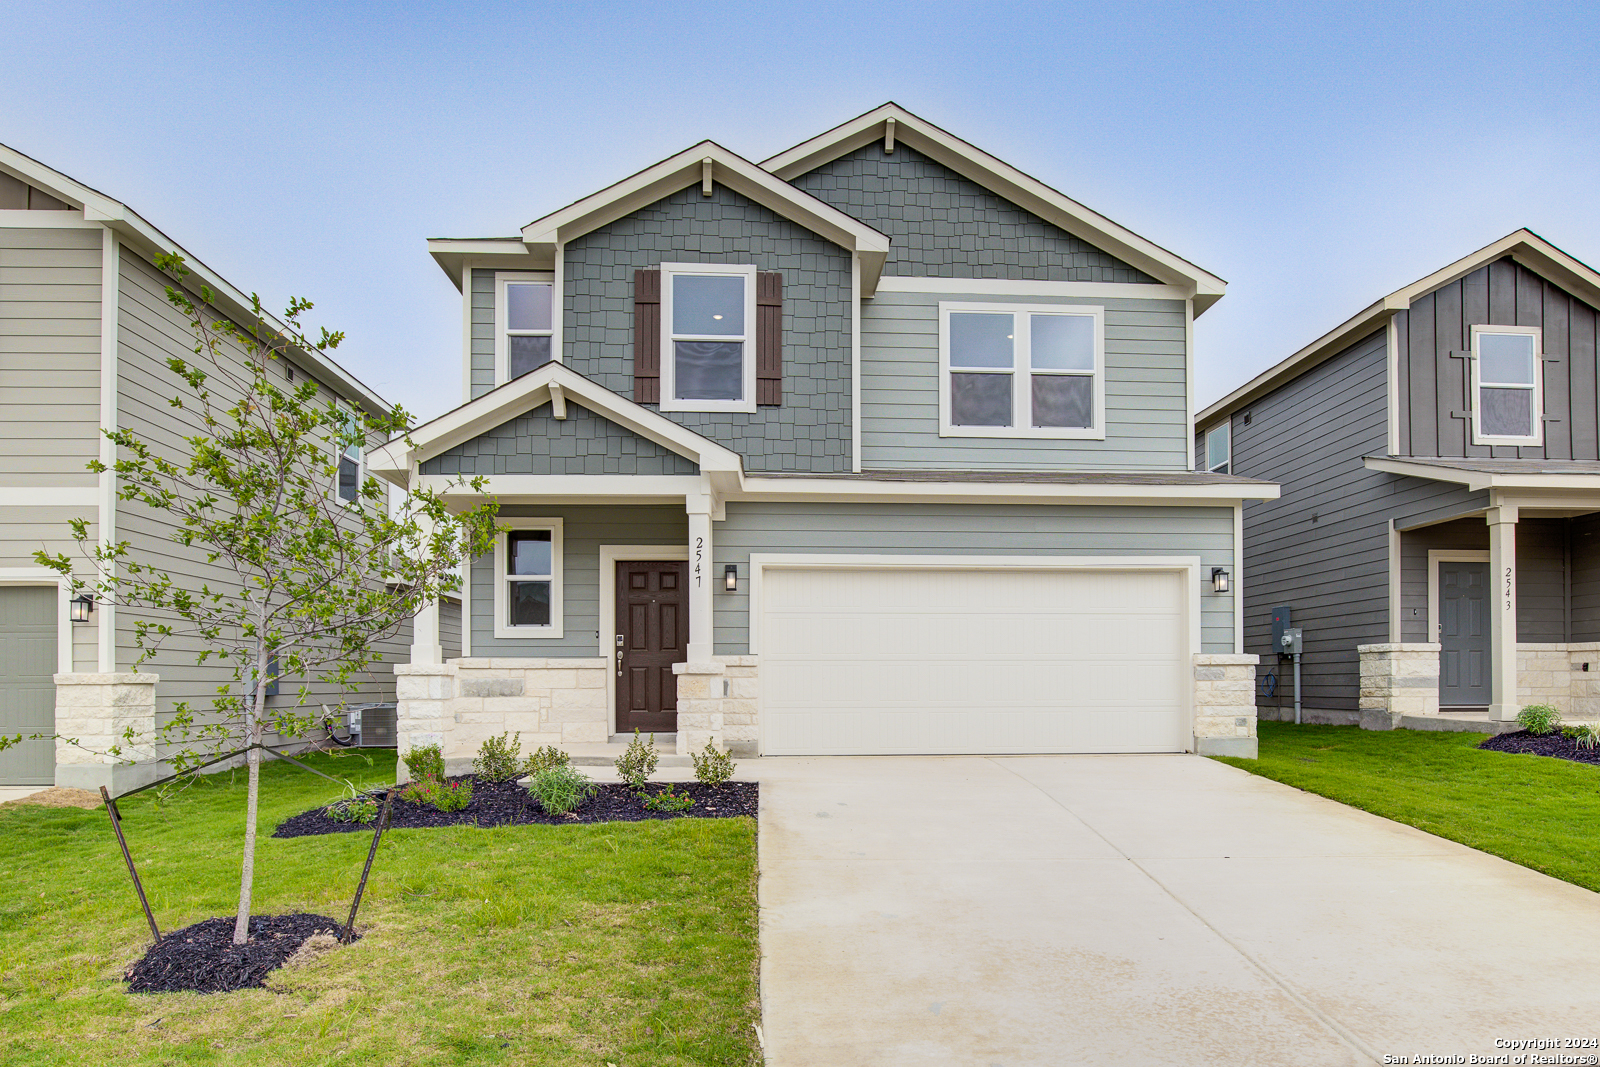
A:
{"x": 1434, "y": 383}
{"x": 450, "y": 628}
{"x": 1542, "y": 612}
{"x": 811, "y": 431}
{"x": 969, "y": 529}
{"x": 1146, "y": 400}
{"x": 584, "y": 530}
{"x": 150, "y": 331}
{"x": 582, "y": 443}
{"x": 1585, "y": 542}
{"x": 942, "y": 225}
{"x": 482, "y": 339}
{"x": 49, "y": 355}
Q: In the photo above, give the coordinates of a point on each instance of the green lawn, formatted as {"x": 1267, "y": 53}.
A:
{"x": 1533, "y": 810}
{"x": 633, "y": 943}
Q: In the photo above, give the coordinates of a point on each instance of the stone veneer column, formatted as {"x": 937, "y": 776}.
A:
{"x": 97, "y": 711}
{"x": 1396, "y": 680}
{"x": 421, "y": 692}
{"x": 1225, "y": 704}
{"x": 718, "y": 702}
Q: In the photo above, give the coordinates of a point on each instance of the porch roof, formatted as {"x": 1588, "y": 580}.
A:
{"x": 1478, "y": 474}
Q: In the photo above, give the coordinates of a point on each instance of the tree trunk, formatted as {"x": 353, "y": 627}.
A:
{"x": 253, "y": 734}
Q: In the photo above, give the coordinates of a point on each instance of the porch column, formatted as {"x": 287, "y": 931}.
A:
{"x": 1502, "y": 522}
{"x": 425, "y": 646}
{"x": 700, "y": 587}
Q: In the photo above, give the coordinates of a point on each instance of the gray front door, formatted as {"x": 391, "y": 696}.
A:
{"x": 28, "y": 627}
{"x": 1463, "y": 634}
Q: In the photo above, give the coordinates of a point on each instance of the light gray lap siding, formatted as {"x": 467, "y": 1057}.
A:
{"x": 810, "y": 432}
{"x": 1146, "y": 399}
{"x": 49, "y": 355}
{"x": 582, "y": 443}
{"x": 970, "y": 529}
{"x": 943, "y": 225}
{"x": 584, "y": 530}
{"x": 481, "y": 337}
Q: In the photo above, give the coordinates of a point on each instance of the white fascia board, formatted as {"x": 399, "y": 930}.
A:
{"x": 1007, "y": 181}
{"x": 892, "y": 283}
{"x": 395, "y": 459}
{"x": 570, "y": 488}
{"x": 507, "y": 253}
{"x": 1476, "y": 480}
{"x": 686, "y": 169}
{"x": 841, "y": 490}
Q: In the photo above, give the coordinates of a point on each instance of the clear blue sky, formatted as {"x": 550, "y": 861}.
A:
{"x": 1316, "y": 156}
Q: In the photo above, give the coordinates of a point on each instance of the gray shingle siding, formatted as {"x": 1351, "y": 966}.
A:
{"x": 482, "y": 341}
{"x": 582, "y": 443}
{"x": 810, "y": 432}
{"x": 943, "y": 225}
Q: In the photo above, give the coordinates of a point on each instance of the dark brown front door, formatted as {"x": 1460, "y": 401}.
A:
{"x": 652, "y": 635}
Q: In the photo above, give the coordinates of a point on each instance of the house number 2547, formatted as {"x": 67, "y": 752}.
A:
{"x": 699, "y": 556}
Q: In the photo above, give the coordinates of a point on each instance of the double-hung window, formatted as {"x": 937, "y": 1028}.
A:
{"x": 708, "y": 319}
{"x": 1022, "y": 370}
{"x": 349, "y": 448}
{"x": 524, "y": 324}
{"x": 527, "y": 566}
{"x": 1219, "y": 448}
{"x": 1507, "y": 386}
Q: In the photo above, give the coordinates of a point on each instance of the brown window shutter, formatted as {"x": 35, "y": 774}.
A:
{"x": 647, "y": 336}
{"x": 769, "y": 339}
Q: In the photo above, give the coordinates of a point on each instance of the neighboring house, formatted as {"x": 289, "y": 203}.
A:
{"x": 1439, "y": 455}
{"x": 878, "y": 446}
{"x": 85, "y": 330}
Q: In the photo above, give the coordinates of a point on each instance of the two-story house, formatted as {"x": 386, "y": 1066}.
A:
{"x": 85, "y": 332}
{"x": 879, "y": 446}
{"x": 1437, "y": 540}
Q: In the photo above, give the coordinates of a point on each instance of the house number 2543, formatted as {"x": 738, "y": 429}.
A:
{"x": 699, "y": 556}
{"x": 1508, "y": 588}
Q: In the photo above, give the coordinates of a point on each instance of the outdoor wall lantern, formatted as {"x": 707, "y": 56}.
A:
{"x": 730, "y": 578}
{"x": 82, "y": 605}
{"x": 1219, "y": 579}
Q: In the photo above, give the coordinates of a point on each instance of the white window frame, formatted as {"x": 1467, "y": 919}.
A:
{"x": 1226, "y": 429}
{"x": 351, "y": 414}
{"x": 669, "y": 402}
{"x": 503, "y": 580}
{"x": 1022, "y": 374}
{"x": 1536, "y": 438}
{"x": 502, "y": 346}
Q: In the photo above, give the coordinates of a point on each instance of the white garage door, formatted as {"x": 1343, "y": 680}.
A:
{"x": 861, "y": 660}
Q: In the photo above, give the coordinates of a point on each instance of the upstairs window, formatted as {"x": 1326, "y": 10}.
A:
{"x": 528, "y": 579}
{"x": 1027, "y": 370}
{"x": 524, "y": 324}
{"x": 1507, "y": 386}
{"x": 708, "y": 319}
{"x": 350, "y": 460}
{"x": 1219, "y": 448}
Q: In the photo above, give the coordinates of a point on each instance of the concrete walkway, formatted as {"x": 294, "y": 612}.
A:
{"x": 1139, "y": 910}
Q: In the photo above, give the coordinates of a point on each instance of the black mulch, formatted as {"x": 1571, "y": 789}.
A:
{"x": 203, "y": 957}
{"x": 509, "y": 804}
{"x": 1542, "y": 745}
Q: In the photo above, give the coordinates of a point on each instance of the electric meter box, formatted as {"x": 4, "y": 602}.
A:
{"x": 1289, "y": 643}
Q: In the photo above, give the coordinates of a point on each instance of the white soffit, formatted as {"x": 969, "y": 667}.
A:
{"x": 1004, "y": 180}
{"x": 501, "y": 253}
{"x": 688, "y": 168}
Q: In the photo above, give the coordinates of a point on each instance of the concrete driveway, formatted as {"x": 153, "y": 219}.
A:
{"x": 1140, "y": 910}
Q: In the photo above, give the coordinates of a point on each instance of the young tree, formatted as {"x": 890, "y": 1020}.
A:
{"x": 319, "y": 567}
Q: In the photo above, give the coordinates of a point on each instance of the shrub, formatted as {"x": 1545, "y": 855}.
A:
{"x": 425, "y": 761}
{"x": 543, "y": 759}
{"x": 561, "y": 788}
{"x": 1586, "y": 734}
{"x": 498, "y": 758}
{"x": 638, "y": 762}
{"x": 360, "y": 809}
{"x": 712, "y": 766}
{"x": 438, "y": 793}
{"x": 1539, "y": 719}
{"x": 667, "y": 800}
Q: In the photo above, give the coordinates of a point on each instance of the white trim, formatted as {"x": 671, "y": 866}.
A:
{"x": 1437, "y": 556}
{"x": 1536, "y": 438}
{"x": 1224, "y": 427}
{"x": 558, "y": 305}
{"x": 38, "y": 576}
{"x": 503, "y": 629}
{"x": 41, "y": 219}
{"x": 1396, "y": 604}
{"x": 1392, "y": 336}
{"x": 1238, "y": 579}
{"x": 1186, "y": 566}
{"x": 466, "y": 332}
{"x": 1022, "y": 372}
{"x": 1188, "y": 388}
{"x": 747, "y": 340}
{"x": 52, "y": 496}
{"x": 855, "y": 363}
{"x": 110, "y": 301}
{"x": 1531, "y": 481}
{"x": 502, "y": 347}
{"x": 466, "y": 607}
{"x": 610, "y": 556}
{"x": 1021, "y": 287}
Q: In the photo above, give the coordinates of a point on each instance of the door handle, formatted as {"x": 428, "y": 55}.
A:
{"x": 619, "y": 663}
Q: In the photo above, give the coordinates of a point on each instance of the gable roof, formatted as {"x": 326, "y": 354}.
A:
{"x": 555, "y": 384}
{"x": 1524, "y": 246}
{"x": 148, "y": 241}
{"x": 1005, "y": 180}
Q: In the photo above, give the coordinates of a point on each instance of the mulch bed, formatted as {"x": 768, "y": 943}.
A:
{"x": 510, "y": 804}
{"x": 203, "y": 958}
{"x": 1542, "y": 745}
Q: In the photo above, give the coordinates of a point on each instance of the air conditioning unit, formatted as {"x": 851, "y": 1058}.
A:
{"x": 373, "y": 725}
